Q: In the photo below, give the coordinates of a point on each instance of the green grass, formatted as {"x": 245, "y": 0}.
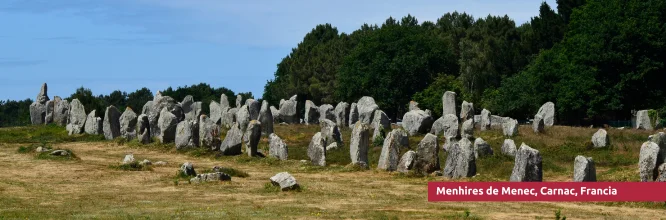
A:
{"x": 133, "y": 166}
{"x": 30, "y": 149}
{"x": 43, "y": 133}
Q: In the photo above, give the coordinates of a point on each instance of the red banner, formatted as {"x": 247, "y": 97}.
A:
{"x": 547, "y": 191}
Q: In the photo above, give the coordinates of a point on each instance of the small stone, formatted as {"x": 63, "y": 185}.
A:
{"x": 285, "y": 180}
{"x": 188, "y": 169}
{"x": 509, "y": 148}
{"x": 145, "y": 162}
{"x": 600, "y": 139}
{"x": 160, "y": 163}
{"x": 482, "y": 148}
{"x": 277, "y": 147}
{"x": 406, "y": 162}
{"x": 129, "y": 158}
{"x": 510, "y": 127}
{"x": 584, "y": 170}
{"x": 61, "y": 153}
{"x": 210, "y": 177}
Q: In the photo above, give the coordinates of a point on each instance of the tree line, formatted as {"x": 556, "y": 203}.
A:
{"x": 597, "y": 60}
{"x": 17, "y": 113}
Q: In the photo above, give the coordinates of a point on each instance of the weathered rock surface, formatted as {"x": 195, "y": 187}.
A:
{"x": 77, "y": 118}
{"x": 224, "y": 101}
{"x": 129, "y": 158}
{"x": 359, "y": 143}
{"x": 209, "y": 133}
{"x": 467, "y": 129}
{"x": 497, "y": 121}
{"x": 239, "y": 101}
{"x": 427, "y": 155}
{"x": 662, "y": 173}
{"x": 159, "y": 104}
{"x": 288, "y": 111}
{"x": 485, "y": 120}
{"x": 50, "y": 106}
{"x": 266, "y": 119}
{"x": 326, "y": 112}
{"x": 60, "y": 153}
{"x": 253, "y": 107}
{"x": 330, "y": 131}
{"x": 547, "y": 113}
{"x": 366, "y": 109}
{"x": 538, "y": 124}
{"x": 388, "y": 159}
{"x": 417, "y": 122}
{"x": 413, "y": 105}
{"x": 648, "y": 160}
{"x": 188, "y": 169}
{"x": 191, "y": 109}
{"x": 527, "y": 167}
{"x": 509, "y": 148}
{"x": 61, "y": 112}
{"x": 353, "y": 114}
{"x": 251, "y": 137}
{"x": 600, "y": 139}
{"x": 233, "y": 142}
{"x": 380, "y": 123}
{"x": 228, "y": 117}
{"x": 482, "y": 148}
{"x": 275, "y": 113}
{"x": 128, "y": 124}
{"x": 332, "y": 146}
{"x": 37, "y": 113}
{"x": 460, "y": 161}
{"x": 406, "y": 162}
{"x": 210, "y": 177}
{"x": 167, "y": 124}
{"x": 146, "y": 107}
{"x": 277, "y": 147}
{"x": 510, "y": 127}
{"x": 448, "y": 143}
{"x": 187, "y": 134}
{"x": 215, "y": 112}
{"x": 243, "y": 117}
{"x": 449, "y": 103}
{"x": 584, "y": 169}
{"x": 285, "y": 180}
{"x": 341, "y": 113}
{"x": 111, "y": 123}
{"x": 446, "y": 125}
{"x": 311, "y": 113}
{"x": 643, "y": 120}
{"x": 317, "y": 150}
{"x": 467, "y": 111}
{"x": 43, "y": 95}
{"x": 143, "y": 129}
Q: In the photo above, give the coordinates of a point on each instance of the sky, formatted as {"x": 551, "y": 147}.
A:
{"x": 108, "y": 45}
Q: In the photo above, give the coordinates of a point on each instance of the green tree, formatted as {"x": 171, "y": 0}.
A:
{"x": 89, "y": 101}
{"x": 137, "y": 99}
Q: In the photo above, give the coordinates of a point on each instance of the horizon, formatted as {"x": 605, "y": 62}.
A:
{"x": 126, "y": 45}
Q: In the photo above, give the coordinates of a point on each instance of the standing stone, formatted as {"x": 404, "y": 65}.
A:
{"x": 326, "y": 112}
{"x": 311, "y": 113}
{"x": 359, "y": 143}
{"x": 547, "y": 113}
{"x": 460, "y": 161}
{"x": 77, "y": 118}
{"x": 647, "y": 161}
{"x": 224, "y": 101}
{"x": 239, "y": 100}
{"x": 61, "y": 112}
{"x": 251, "y": 137}
{"x": 341, "y": 114}
{"x": 584, "y": 170}
{"x": 187, "y": 134}
{"x": 366, "y": 109}
{"x": 448, "y": 143}
{"x": 413, "y": 105}
{"x": 510, "y": 127}
{"x": 467, "y": 129}
{"x": 388, "y": 159}
{"x": 406, "y": 162}
{"x": 448, "y": 125}
{"x": 233, "y": 142}
{"x": 643, "y": 120}
{"x": 509, "y": 148}
{"x": 209, "y": 133}
{"x": 380, "y": 123}
{"x": 253, "y": 106}
{"x": 128, "y": 124}
{"x": 276, "y": 114}
{"x": 191, "y": 109}
{"x": 159, "y": 104}
{"x": 143, "y": 128}
{"x": 317, "y": 150}
{"x": 600, "y": 139}
{"x": 288, "y": 111}
{"x": 146, "y": 107}
{"x": 276, "y": 147}
{"x": 243, "y": 117}
{"x": 43, "y": 95}
{"x": 50, "y": 105}
{"x": 449, "y": 103}
{"x": 485, "y": 120}
{"x": 37, "y": 113}
{"x": 538, "y": 124}
{"x": 662, "y": 173}
{"x": 266, "y": 119}
{"x": 228, "y": 117}
{"x": 330, "y": 131}
{"x": 427, "y": 155}
{"x": 215, "y": 112}
{"x": 93, "y": 124}
{"x": 353, "y": 114}
{"x": 482, "y": 148}
{"x": 497, "y": 121}
{"x": 111, "y": 124}
{"x": 167, "y": 124}
{"x": 527, "y": 167}
{"x": 467, "y": 111}
{"x": 417, "y": 121}
{"x": 285, "y": 181}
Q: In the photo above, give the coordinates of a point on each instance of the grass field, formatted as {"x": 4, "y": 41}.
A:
{"x": 91, "y": 185}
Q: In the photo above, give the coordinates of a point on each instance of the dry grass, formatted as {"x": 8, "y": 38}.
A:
{"x": 89, "y": 188}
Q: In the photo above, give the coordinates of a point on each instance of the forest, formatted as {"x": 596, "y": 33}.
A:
{"x": 596, "y": 60}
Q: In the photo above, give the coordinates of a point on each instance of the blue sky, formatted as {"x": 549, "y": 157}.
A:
{"x": 108, "y": 45}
